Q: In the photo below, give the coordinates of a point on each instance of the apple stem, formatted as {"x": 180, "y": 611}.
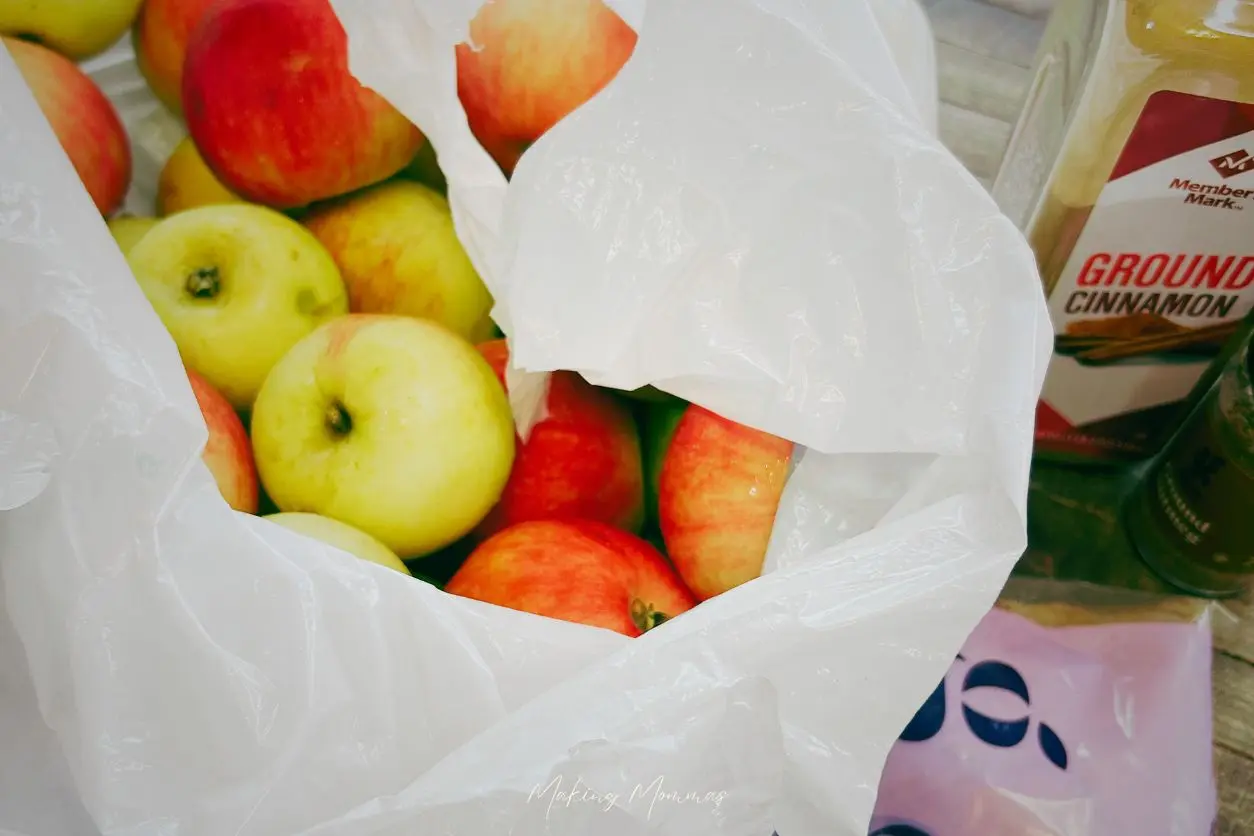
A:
{"x": 339, "y": 422}
{"x": 644, "y": 616}
{"x": 203, "y": 282}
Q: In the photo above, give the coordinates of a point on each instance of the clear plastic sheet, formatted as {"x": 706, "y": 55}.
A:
{"x": 756, "y": 215}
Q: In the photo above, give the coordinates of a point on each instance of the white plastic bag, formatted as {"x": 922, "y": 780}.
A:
{"x": 753, "y": 215}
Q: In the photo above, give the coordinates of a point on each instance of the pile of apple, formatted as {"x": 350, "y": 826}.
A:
{"x": 337, "y": 337}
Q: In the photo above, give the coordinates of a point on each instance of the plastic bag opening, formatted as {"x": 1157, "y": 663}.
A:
{"x": 825, "y": 271}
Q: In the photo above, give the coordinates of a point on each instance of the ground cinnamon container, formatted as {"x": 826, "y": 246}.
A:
{"x": 1132, "y": 172}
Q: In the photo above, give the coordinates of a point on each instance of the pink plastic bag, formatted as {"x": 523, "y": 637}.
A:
{"x": 1101, "y": 727}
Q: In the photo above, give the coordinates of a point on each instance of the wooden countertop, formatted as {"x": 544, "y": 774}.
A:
{"x": 985, "y": 51}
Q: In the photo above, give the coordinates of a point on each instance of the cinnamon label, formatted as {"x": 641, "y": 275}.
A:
{"x": 1158, "y": 281}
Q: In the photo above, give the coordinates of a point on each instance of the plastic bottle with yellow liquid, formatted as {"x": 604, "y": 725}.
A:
{"x": 1131, "y": 171}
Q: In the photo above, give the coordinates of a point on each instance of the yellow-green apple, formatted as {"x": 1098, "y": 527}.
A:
{"x": 341, "y": 535}
{"x": 581, "y": 461}
{"x": 718, "y": 491}
{"x": 391, "y": 424}
{"x": 274, "y": 110}
{"x": 83, "y": 119}
{"x": 399, "y": 254}
{"x": 186, "y": 182}
{"x": 128, "y": 229}
{"x": 529, "y": 63}
{"x": 236, "y": 285}
{"x": 575, "y": 570}
{"x": 160, "y": 38}
{"x": 227, "y": 453}
{"x": 77, "y": 29}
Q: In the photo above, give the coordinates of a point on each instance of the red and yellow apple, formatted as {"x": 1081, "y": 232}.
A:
{"x": 271, "y": 104}
{"x": 399, "y": 254}
{"x": 83, "y": 119}
{"x": 531, "y": 62}
{"x": 160, "y": 37}
{"x": 582, "y": 461}
{"x": 575, "y": 570}
{"x": 227, "y": 453}
{"x": 186, "y": 182}
{"x": 718, "y": 489}
{"x": 236, "y": 285}
{"x": 391, "y": 424}
{"x": 77, "y": 29}
{"x": 342, "y": 536}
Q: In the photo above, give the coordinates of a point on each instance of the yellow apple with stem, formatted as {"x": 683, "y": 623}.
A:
{"x": 340, "y": 535}
{"x": 391, "y": 424}
{"x": 77, "y": 29}
{"x": 399, "y": 254}
{"x": 186, "y": 182}
{"x": 236, "y": 286}
{"x": 128, "y": 229}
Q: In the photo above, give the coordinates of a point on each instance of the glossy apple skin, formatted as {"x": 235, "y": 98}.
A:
{"x": 575, "y": 570}
{"x": 271, "y": 104}
{"x": 160, "y": 38}
{"x": 718, "y": 491}
{"x": 531, "y": 62}
{"x": 271, "y": 284}
{"x": 582, "y": 461}
{"x": 228, "y": 453}
{"x": 392, "y": 424}
{"x": 83, "y": 119}
{"x": 398, "y": 251}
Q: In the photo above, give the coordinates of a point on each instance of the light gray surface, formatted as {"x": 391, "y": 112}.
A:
{"x": 984, "y": 52}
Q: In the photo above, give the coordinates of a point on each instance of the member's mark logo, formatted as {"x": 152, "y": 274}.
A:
{"x": 1230, "y": 165}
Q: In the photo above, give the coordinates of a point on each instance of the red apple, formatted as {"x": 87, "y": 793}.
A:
{"x": 274, "y": 110}
{"x": 575, "y": 570}
{"x": 161, "y": 33}
{"x": 531, "y": 62}
{"x": 718, "y": 491}
{"x": 228, "y": 454}
{"x": 581, "y": 462}
{"x": 84, "y": 121}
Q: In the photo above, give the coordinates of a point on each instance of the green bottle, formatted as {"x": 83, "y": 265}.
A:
{"x": 1192, "y": 516}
